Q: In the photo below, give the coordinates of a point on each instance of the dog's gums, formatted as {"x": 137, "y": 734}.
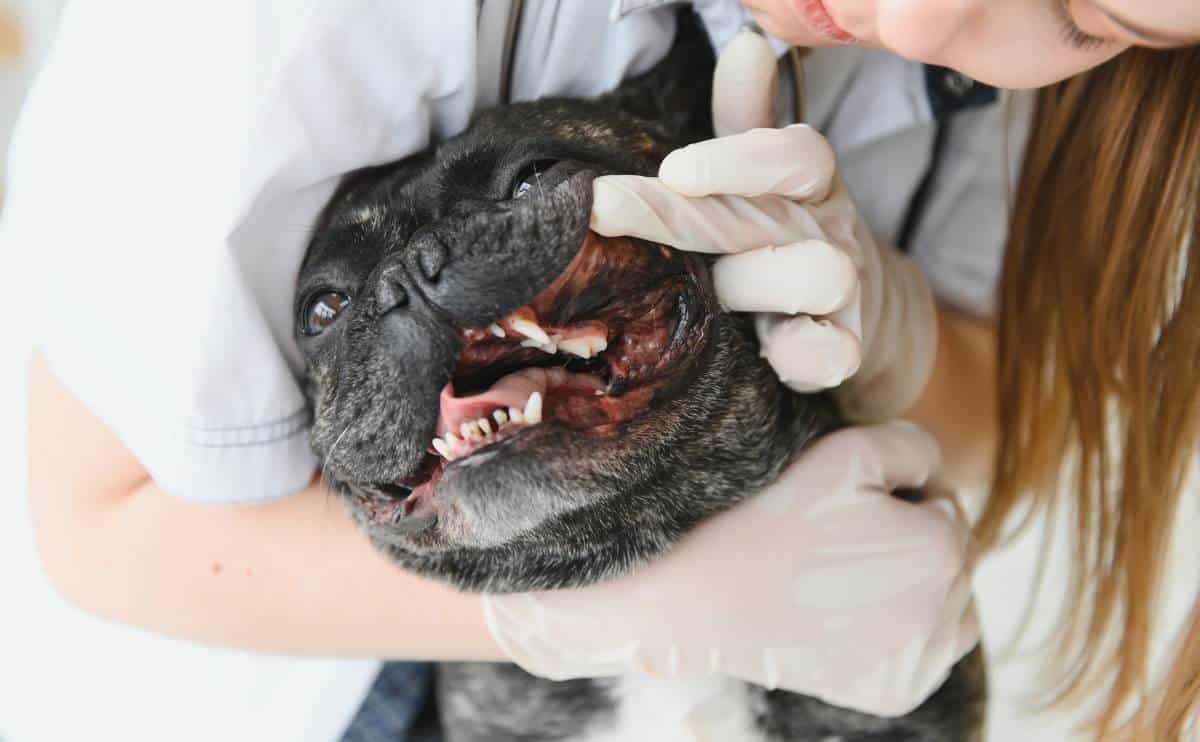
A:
{"x": 509, "y": 402}
{"x": 609, "y": 338}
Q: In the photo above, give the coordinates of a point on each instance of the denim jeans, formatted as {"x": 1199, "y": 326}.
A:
{"x": 393, "y": 707}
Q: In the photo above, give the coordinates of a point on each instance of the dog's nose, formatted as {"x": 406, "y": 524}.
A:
{"x": 389, "y": 292}
{"x": 482, "y": 263}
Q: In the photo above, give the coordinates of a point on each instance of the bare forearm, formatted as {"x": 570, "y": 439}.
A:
{"x": 292, "y": 576}
{"x": 959, "y": 403}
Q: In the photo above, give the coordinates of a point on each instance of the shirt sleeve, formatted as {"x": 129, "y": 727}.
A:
{"x": 168, "y": 168}
{"x": 164, "y": 178}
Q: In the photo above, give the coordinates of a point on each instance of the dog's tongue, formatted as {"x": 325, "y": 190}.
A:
{"x": 512, "y": 390}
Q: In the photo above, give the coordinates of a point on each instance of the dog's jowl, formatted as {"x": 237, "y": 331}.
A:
{"x": 487, "y": 375}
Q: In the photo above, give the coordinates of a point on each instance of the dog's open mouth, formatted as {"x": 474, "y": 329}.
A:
{"x": 613, "y": 336}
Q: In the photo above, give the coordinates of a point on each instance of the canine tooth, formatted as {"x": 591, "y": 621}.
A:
{"x": 515, "y": 415}
{"x": 452, "y": 443}
{"x": 485, "y": 426}
{"x": 529, "y": 329}
{"x": 584, "y": 347}
{"x": 496, "y": 330}
{"x": 576, "y": 347}
{"x": 443, "y": 450}
{"x": 470, "y": 431}
{"x": 549, "y": 347}
{"x": 501, "y": 417}
{"x": 533, "y": 409}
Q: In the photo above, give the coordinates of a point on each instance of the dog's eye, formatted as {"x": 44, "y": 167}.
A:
{"x": 530, "y": 177}
{"x": 321, "y": 310}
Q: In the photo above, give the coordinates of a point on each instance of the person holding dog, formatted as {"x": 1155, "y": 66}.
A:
{"x": 112, "y": 486}
{"x": 1065, "y": 394}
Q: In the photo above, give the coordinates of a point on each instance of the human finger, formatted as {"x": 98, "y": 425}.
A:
{"x": 795, "y": 162}
{"x": 646, "y": 208}
{"x": 810, "y": 277}
{"x": 894, "y": 455}
{"x": 744, "y": 85}
{"x": 808, "y": 354}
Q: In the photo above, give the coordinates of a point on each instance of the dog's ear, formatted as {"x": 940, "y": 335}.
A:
{"x": 676, "y": 93}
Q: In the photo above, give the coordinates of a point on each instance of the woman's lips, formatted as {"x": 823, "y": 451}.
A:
{"x": 817, "y": 17}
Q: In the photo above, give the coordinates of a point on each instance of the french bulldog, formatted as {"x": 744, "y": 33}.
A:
{"x": 508, "y": 402}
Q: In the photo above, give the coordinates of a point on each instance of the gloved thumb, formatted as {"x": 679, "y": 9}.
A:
{"x": 744, "y": 85}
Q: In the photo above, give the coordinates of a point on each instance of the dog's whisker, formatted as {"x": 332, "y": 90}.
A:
{"x": 329, "y": 456}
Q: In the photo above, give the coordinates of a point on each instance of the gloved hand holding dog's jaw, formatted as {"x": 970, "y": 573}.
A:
{"x": 823, "y": 584}
{"x": 836, "y": 309}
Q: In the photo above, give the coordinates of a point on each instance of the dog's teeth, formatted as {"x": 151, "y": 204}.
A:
{"x": 501, "y": 417}
{"x": 452, "y": 445}
{"x": 533, "y": 409}
{"x": 470, "y": 431}
{"x": 496, "y": 330}
{"x": 584, "y": 347}
{"x": 548, "y": 347}
{"x": 599, "y": 392}
{"x": 529, "y": 329}
{"x": 576, "y": 347}
{"x": 485, "y": 426}
{"x": 515, "y": 415}
{"x": 443, "y": 450}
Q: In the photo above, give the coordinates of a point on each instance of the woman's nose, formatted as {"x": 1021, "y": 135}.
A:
{"x": 919, "y": 29}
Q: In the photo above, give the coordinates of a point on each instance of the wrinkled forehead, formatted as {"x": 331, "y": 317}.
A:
{"x": 365, "y": 211}
{"x": 384, "y": 205}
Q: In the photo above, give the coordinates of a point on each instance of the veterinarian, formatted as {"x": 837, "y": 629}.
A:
{"x": 1051, "y": 337}
{"x": 162, "y": 239}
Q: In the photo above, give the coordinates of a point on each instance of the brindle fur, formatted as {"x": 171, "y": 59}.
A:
{"x": 431, "y": 245}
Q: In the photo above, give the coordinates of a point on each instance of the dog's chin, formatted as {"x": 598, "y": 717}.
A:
{"x": 548, "y": 404}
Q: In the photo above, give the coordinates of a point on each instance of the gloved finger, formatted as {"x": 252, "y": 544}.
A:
{"x": 546, "y": 660}
{"x": 811, "y": 277}
{"x": 946, "y": 646}
{"x": 744, "y": 85}
{"x": 963, "y": 621}
{"x": 518, "y": 626}
{"x": 674, "y": 662}
{"x": 892, "y": 455}
{"x": 968, "y": 632}
{"x": 646, "y": 208}
{"x": 808, "y": 354}
{"x": 795, "y": 162}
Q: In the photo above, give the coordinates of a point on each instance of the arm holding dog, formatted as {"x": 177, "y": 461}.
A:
{"x": 292, "y": 576}
{"x": 295, "y": 576}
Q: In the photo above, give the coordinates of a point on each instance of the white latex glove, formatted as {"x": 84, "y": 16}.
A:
{"x": 823, "y": 584}
{"x": 835, "y": 308}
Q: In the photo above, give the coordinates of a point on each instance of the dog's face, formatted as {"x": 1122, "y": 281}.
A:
{"x": 508, "y": 400}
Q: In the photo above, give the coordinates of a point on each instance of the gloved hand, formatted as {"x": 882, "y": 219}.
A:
{"x": 835, "y": 308}
{"x": 822, "y": 584}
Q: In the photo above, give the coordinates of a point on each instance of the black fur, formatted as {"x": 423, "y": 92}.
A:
{"x": 432, "y": 246}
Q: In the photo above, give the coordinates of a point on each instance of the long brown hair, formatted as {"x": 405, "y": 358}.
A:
{"x": 1099, "y": 358}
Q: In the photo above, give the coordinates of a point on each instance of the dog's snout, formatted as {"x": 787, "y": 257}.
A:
{"x": 481, "y": 263}
{"x": 430, "y": 256}
{"x": 389, "y": 292}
